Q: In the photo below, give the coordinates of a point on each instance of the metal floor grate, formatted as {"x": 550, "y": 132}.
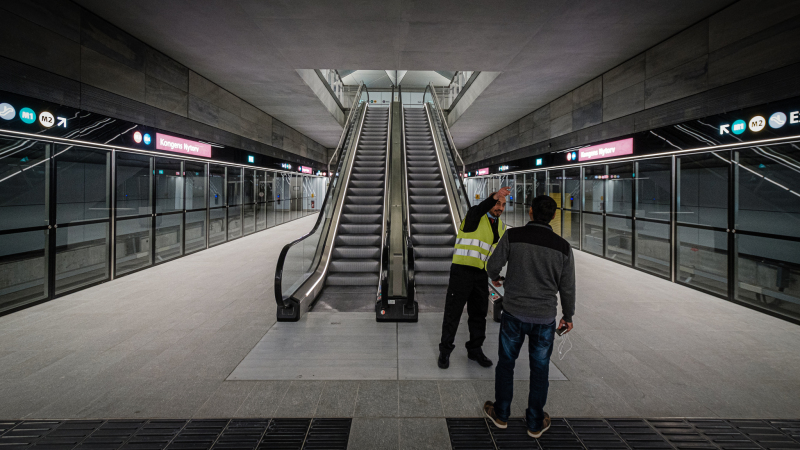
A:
{"x": 633, "y": 434}
{"x": 229, "y": 434}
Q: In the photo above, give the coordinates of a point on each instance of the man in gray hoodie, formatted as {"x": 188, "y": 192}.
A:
{"x": 540, "y": 264}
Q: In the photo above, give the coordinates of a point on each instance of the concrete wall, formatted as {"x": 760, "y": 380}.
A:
{"x": 57, "y": 51}
{"x": 741, "y": 56}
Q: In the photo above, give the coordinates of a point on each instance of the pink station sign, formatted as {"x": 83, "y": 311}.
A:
{"x": 607, "y": 150}
{"x": 179, "y": 145}
{"x": 305, "y": 169}
{"x": 484, "y": 171}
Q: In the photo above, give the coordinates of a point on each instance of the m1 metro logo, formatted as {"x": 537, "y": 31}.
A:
{"x": 758, "y": 123}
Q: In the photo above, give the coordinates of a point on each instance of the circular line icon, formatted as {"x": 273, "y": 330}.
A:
{"x": 47, "y": 119}
{"x": 7, "y": 112}
{"x": 738, "y": 127}
{"x": 569, "y": 156}
{"x": 776, "y": 120}
{"x": 27, "y": 115}
{"x": 757, "y": 123}
{"x": 146, "y": 139}
{"x": 137, "y": 137}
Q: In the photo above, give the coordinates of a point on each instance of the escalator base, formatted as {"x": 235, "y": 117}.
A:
{"x": 396, "y": 312}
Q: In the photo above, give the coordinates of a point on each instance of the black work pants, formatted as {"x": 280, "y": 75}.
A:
{"x": 468, "y": 285}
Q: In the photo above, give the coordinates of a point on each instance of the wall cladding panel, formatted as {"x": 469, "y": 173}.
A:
{"x": 57, "y": 51}
{"x": 751, "y": 45}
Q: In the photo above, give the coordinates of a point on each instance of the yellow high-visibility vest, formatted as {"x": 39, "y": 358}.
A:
{"x": 473, "y": 249}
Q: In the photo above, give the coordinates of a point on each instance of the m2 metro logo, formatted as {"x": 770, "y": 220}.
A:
{"x": 758, "y": 123}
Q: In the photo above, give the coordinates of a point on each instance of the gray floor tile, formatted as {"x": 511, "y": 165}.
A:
{"x": 374, "y": 434}
{"x": 459, "y": 399}
{"x": 420, "y": 399}
{"x": 264, "y": 399}
{"x": 338, "y": 399}
{"x": 377, "y": 399}
{"x": 227, "y": 400}
{"x": 301, "y": 399}
{"x": 424, "y": 434}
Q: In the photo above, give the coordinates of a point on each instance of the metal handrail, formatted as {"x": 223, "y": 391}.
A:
{"x": 320, "y": 219}
{"x": 384, "y": 219}
{"x": 347, "y": 122}
{"x": 444, "y": 125}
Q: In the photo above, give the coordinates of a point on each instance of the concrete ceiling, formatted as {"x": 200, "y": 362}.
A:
{"x": 543, "y": 48}
{"x": 384, "y": 79}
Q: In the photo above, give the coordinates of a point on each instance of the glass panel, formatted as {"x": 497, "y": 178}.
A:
{"x": 22, "y": 268}
{"x": 169, "y": 185}
{"x": 619, "y": 239}
{"x": 82, "y": 180}
{"x": 572, "y": 188}
{"x": 593, "y": 233}
{"x": 703, "y": 259}
{"x": 519, "y": 183}
{"x": 216, "y": 227}
{"x": 195, "y": 185}
{"x": 133, "y": 185}
{"x": 249, "y": 219}
{"x": 169, "y": 233}
{"x": 269, "y": 186}
{"x": 261, "y": 186}
{"x": 652, "y": 247}
{"x": 703, "y": 189}
{"x": 271, "y": 214}
{"x": 216, "y": 186}
{"x": 81, "y": 256}
{"x": 234, "y": 222}
{"x": 249, "y": 186}
{"x": 541, "y": 183}
{"x": 768, "y": 273}
{"x": 654, "y": 184}
{"x": 22, "y": 184}
{"x": 620, "y": 189}
{"x": 769, "y": 190}
{"x": 234, "y": 186}
{"x": 261, "y": 216}
{"x": 572, "y": 227}
{"x": 554, "y": 186}
{"x": 195, "y": 231}
{"x": 133, "y": 244}
{"x": 594, "y": 188}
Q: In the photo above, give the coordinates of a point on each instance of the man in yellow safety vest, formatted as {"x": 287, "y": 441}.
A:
{"x": 477, "y": 236}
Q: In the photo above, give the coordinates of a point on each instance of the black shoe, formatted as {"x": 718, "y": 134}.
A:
{"x": 444, "y": 361}
{"x": 477, "y": 355}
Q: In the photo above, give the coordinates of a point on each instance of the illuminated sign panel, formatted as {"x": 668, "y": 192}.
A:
{"x": 305, "y": 169}
{"x": 179, "y": 145}
{"x": 607, "y": 150}
{"x": 484, "y": 171}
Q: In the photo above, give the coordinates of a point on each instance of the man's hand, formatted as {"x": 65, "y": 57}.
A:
{"x": 503, "y": 192}
{"x": 497, "y": 283}
{"x": 563, "y": 324}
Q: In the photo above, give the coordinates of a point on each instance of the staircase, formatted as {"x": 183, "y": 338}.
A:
{"x": 432, "y": 232}
{"x": 355, "y": 262}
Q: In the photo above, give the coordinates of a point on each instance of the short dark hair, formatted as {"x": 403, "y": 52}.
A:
{"x": 544, "y": 207}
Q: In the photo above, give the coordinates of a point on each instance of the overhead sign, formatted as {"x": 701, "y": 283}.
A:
{"x": 607, "y": 150}
{"x": 484, "y": 171}
{"x": 180, "y": 145}
{"x": 305, "y": 169}
{"x": 757, "y": 123}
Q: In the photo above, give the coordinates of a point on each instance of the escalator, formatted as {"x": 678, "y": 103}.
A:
{"x": 432, "y": 228}
{"x": 353, "y": 275}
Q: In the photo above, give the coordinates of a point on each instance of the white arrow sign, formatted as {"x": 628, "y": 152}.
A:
{"x": 62, "y": 122}
{"x": 724, "y": 129}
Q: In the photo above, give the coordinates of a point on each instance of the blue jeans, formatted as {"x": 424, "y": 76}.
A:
{"x": 540, "y": 347}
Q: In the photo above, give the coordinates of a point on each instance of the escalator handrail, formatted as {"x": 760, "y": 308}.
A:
{"x": 321, "y": 218}
{"x": 450, "y": 143}
{"x": 384, "y": 263}
{"x": 353, "y": 108}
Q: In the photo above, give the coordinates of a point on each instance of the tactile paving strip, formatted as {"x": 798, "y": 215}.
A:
{"x": 633, "y": 434}
{"x": 229, "y": 434}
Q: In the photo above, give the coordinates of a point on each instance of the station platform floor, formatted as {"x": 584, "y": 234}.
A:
{"x": 196, "y": 338}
